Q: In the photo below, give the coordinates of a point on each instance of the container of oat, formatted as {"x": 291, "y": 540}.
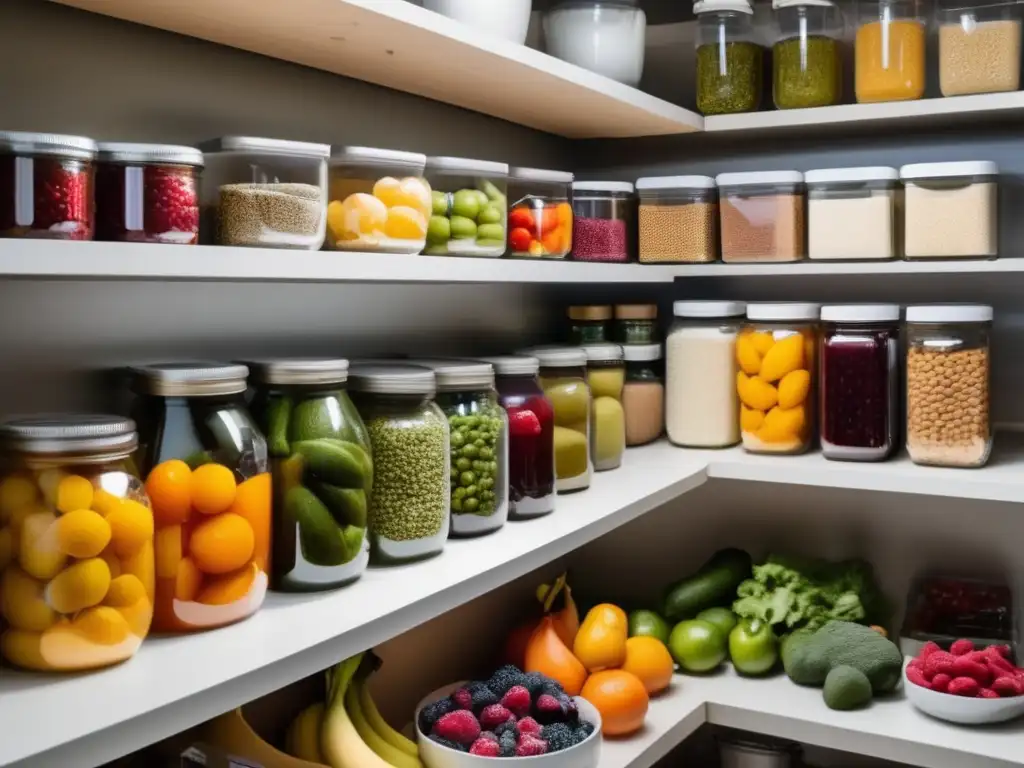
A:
{"x": 762, "y": 216}
{"x": 678, "y": 219}
{"x": 851, "y": 213}
{"x": 266, "y": 193}
{"x": 979, "y": 47}
{"x": 951, "y": 210}
{"x": 948, "y": 372}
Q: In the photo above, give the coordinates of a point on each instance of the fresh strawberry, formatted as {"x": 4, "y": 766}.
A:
{"x": 528, "y": 725}
{"x": 936, "y": 662}
{"x": 941, "y": 682}
{"x": 485, "y": 748}
{"x": 916, "y": 676}
{"x": 523, "y": 423}
{"x": 928, "y": 649}
{"x": 1007, "y": 686}
{"x": 964, "y": 666}
{"x": 493, "y": 716}
{"x": 961, "y": 647}
{"x": 530, "y": 746}
{"x": 987, "y": 693}
{"x": 963, "y": 686}
{"x": 517, "y": 700}
{"x": 459, "y": 726}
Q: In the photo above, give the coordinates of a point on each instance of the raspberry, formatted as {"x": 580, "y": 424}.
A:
{"x": 493, "y": 716}
{"x": 941, "y": 682}
{"x": 549, "y": 709}
{"x": 459, "y": 726}
{"x": 528, "y": 725}
{"x": 963, "y": 666}
{"x": 987, "y": 693}
{"x": 917, "y": 663}
{"x": 463, "y": 699}
{"x": 517, "y": 700}
{"x": 963, "y": 686}
{"x": 1007, "y": 686}
{"x": 997, "y": 662}
{"x": 530, "y": 746}
{"x": 937, "y": 662}
{"x": 431, "y": 713}
{"x": 961, "y": 647}
{"x": 485, "y": 748}
{"x": 524, "y": 424}
{"x": 928, "y": 649}
{"x": 916, "y": 676}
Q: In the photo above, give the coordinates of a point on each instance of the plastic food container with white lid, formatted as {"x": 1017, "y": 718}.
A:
{"x": 605, "y": 36}
{"x": 979, "y": 46}
{"x": 951, "y": 210}
{"x": 678, "y": 219}
{"x": 505, "y": 19}
{"x": 604, "y": 215}
{"x": 730, "y": 57}
{"x": 469, "y": 201}
{"x": 762, "y": 216}
{"x": 540, "y": 214}
{"x": 852, "y": 213}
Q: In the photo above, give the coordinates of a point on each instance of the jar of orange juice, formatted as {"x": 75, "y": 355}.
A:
{"x": 889, "y": 58}
{"x": 207, "y": 477}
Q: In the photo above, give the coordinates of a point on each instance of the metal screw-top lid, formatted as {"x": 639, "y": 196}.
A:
{"x": 590, "y": 312}
{"x": 59, "y": 433}
{"x": 54, "y": 144}
{"x": 392, "y": 379}
{"x": 459, "y": 375}
{"x": 130, "y": 153}
{"x": 514, "y": 365}
{"x": 190, "y": 379}
{"x": 603, "y": 353}
{"x": 636, "y": 311}
{"x": 298, "y": 371}
{"x": 558, "y": 357}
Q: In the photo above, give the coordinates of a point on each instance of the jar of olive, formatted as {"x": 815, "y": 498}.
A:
{"x": 730, "y": 59}
{"x": 807, "y": 69}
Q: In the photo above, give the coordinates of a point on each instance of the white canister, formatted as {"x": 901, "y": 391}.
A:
{"x": 507, "y": 19}
{"x": 605, "y": 36}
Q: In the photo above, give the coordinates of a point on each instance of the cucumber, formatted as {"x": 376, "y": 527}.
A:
{"x": 334, "y": 461}
{"x": 279, "y": 410}
{"x": 347, "y": 505}
{"x": 321, "y": 539}
{"x": 713, "y": 585}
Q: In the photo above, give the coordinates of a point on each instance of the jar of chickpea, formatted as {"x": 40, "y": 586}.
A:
{"x": 948, "y": 372}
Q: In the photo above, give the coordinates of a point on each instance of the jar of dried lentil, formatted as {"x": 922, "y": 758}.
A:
{"x": 588, "y": 323}
{"x": 604, "y": 219}
{"x": 979, "y": 47}
{"x": 807, "y": 69}
{"x": 948, "y": 373}
{"x": 730, "y": 61}
{"x": 636, "y": 323}
{"x": 678, "y": 219}
{"x": 762, "y": 216}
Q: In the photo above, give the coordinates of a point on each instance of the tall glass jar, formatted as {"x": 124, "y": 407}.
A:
{"x": 76, "y": 543}
{"x": 606, "y": 375}
{"x": 859, "y": 381}
{"x": 889, "y": 50}
{"x": 589, "y": 323}
{"x": 563, "y": 377}
{"x": 207, "y": 476}
{"x": 322, "y": 468}
{"x": 409, "y": 507}
{"x": 949, "y": 421}
{"x": 730, "y": 60}
{"x": 643, "y": 396}
{"x": 469, "y": 203}
{"x": 807, "y": 67}
{"x": 539, "y": 213}
{"x": 776, "y": 351}
{"x": 701, "y": 406}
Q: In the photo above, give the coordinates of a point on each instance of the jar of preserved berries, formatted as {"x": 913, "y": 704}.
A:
{"x": 148, "y": 193}
{"x": 606, "y": 375}
{"x": 636, "y": 323}
{"x": 205, "y": 464}
{"x": 322, "y": 470}
{"x": 643, "y": 396}
{"x": 77, "y": 534}
{"x": 563, "y": 377}
{"x": 46, "y": 185}
{"x": 588, "y": 324}
{"x": 859, "y": 381}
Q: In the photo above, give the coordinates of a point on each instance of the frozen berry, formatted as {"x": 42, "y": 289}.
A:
{"x": 1007, "y": 686}
{"x": 448, "y": 743}
{"x": 171, "y": 202}
{"x": 916, "y": 676}
{"x": 460, "y": 725}
{"x": 987, "y": 693}
{"x": 941, "y": 682}
{"x": 508, "y": 725}
{"x": 928, "y": 649}
{"x": 507, "y": 744}
{"x": 963, "y": 666}
{"x": 937, "y": 662}
{"x": 517, "y": 700}
{"x": 493, "y": 716}
{"x": 482, "y": 696}
{"x": 559, "y": 736}
{"x": 549, "y": 709}
{"x": 584, "y": 731}
{"x": 489, "y": 735}
{"x": 431, "y": 713}
{"x": 528, "y": 725}
{"x": 961, "y": 647}
{"x": 505, "y": 678}
{"x": 462, "y": 699}
{"x": 485, "y": 748}
{"x": 963, "y": 686}
{"x": 530, "y": 746}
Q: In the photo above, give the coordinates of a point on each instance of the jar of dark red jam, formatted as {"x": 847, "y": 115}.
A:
{"x": 859, "y": 381}
{"x": 148, "y": 193}
{"x": 46, "y": 185}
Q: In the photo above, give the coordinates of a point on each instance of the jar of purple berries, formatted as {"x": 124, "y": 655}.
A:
{"x": 859, "y": 381}
{"x": 604, "y": 221}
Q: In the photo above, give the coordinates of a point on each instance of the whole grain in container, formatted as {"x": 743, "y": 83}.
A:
{"x": 678, "y": 219}
{"x": 951, "y": 210}
{"x": 762, "y": 216}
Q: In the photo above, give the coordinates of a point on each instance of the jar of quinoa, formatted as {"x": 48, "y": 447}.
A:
{"x": 604, "y": 218}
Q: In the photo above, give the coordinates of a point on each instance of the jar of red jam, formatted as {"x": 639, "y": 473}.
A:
{"x": 859, "y": 381}
{"x": 148, "y": 193}
{"x": 46, "y": 183}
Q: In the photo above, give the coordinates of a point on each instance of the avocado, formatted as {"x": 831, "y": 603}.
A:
{"x": 846, "y": 688}
{"x": 335, "y": 461}
{"x": 347, "y": 505}
{"x": 278, "y": 412}
{"x": 714, "y": 584}
{"x": 842, "y": 643}
{"x": 320, "y": 538}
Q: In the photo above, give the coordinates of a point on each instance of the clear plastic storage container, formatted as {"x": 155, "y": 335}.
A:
{"x": 860, "y": 377}
{"x": 948, "y": 379}
{"x": 762, "y": 216}
{"x": 730, "y": 58}
{"x": 379, "y": 201}
{"x": 889, "y": 50}
{"x": 322, "y": 469}
{"x": 589, "y": 323}
{"x": 563, "y": 377}
{"x": 807, "y": 66}
{"x": 606, "y": 375}
{"x": 539, "y": 214}
{"x": 267, "y": 193}
{"x": 678, "y": 219}
{"x": 409, "y": 507}
{"x": 852, "y": 213}
{"x": 469, "y": 207}
{"x": 636, "y": 324}
{"x": 951, "y": 210}
{"x": 605, "y": 36}
{"x": 604, "y": 219}
{"x": 979, "y": 47}
{"x": 643, "y": 395}
{"x": 76, "y": 577}
{"x": 777, "y": 355}
{"x": 46, "y": 185}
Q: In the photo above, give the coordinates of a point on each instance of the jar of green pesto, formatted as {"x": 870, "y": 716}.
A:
{"x": 730, "y": 60}
{"x": 807, "y": 66}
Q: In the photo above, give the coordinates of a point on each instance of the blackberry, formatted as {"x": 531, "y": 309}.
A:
{"x": 508, "y": 725}
{"x": 507, "y": 744}
{"x": 505, "y": 678}
{"x": 449, "y": 743}
{"x": 431, "y": 713}
{"x": 583, "y": 731}
{"x": 482, "y": 696}
{"x": 535, "y": 683}
{"x": 559, "y": 736}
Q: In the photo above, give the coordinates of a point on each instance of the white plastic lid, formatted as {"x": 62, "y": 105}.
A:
{"x": 374, "y": 156}
{"x": 541, "y": 175}
{"x": 675, "y": 182}
{"x": 261, "y": 146}
{"x": 459, "y": 375}
{"x": 950, "y": 313}
{"x": 392, "y": 379}
{"x": 603, "y": 186}
{"x": 777, "y": 4}
{"x": 860, "y": 313}
{"x": 603, "y": 353}
{"x": 124, "y": 152}
{"x": 794, "y": 310}
{"x": 708, "y": 6}
{"x": 641, "y": 352}
{"x": 558, "y": 357}
{"x": 943, "y": 170}
{"x": 873, "y": 173}
{"x": 465, "y": 165}
{"x": 55, "y": 144}
{"x": 708, "y": 308}
{"x": 755, "y": 178}
{"x": 514, "y": 365}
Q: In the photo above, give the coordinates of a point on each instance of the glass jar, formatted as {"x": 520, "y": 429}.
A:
{"x": 807, "y": 66}
{"x": 889, "y": 59}
{"x": 531, "y": 441}
{"x": 379, "y": 201}
{"x": 762, "y": 216}
{"x": 470, "y": 207}
{"x": 322, "y": 470}
{"x": 678, "y": 219}
{"x": 951, "y": 210}
{"x": 148, "y": 193}
{"x": 949, "y": 421}
{"x": 606, "y": 375}
{"x": 859, "y": 381}
{"x": 979, "y": 47}
{"x": 46, "y": 186}
{"x": 776, "y": 352}
{"x": 76, "y": 535}
{"x": 730, "y": 60}
{"x": 563, "y": 377}
{"x": 851, "y": 213}
{"x": 207, "y": 476}
{"x": 636, "y": 323}
{"x": 701, "y": 406}
{"x": 604, "y": 218}
{"x": 605, "y": 36}
{"x": 588, "y": 323}
{"x": 539, "y": 214}
{"x": 267, "y": 193}
{"x": 643, "y": 395}
{"x": 409, "y": 507}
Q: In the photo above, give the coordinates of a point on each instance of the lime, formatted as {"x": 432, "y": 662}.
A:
{"x": 697, "y": 646}
{"x": 753, "y": 647}
{"x": 648, "y": 624}
{"x": 722, "y": 618}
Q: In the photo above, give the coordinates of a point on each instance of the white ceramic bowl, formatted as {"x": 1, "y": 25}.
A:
{"x": 586, "y": 754}
{"x": 962, "y": 710}
{"x": 507, "y": 19}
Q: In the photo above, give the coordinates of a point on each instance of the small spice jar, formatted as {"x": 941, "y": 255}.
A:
{"x": 730, "y": 60}
{"x": 539, "y": 213}
{"x": 762, "y": 216}
{"x": 470, "y": 207}
{"x": 604, "y": 218}
{"x": 948, "y": 379}
{"x": 951, "y": 210}
{"x": 563, "y": 377}
{"x": 643, "y": 396}
{"x": 588, "y": 323}
{"x": 889, "y": 50}
{"x": 606, "y": 376}
{"x": 46, "y": 186}
{"x": 807, "y": 68}
{"x": 852, "y": 213}
{"x": 636, "y": 323}
{"x": 678, "y": 219}
{"x": 979, "y": 47}
{"x": 148, "y": 193}
{"x": 859, "y": 381}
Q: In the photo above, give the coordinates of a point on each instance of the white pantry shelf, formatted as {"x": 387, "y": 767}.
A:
{"x": 965, "y": 267}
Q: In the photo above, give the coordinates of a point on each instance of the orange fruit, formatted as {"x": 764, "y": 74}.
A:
{"x": 227, "y": 589}
{"x": 213, "y": 488}
{"x": 169, "y": 487}
{"x": 650, "y": 661}
{"x": 222, "y": 544}
{"x": 621, "y": 699}
{"x": 252, "y": 501}
{"x": 188, "y": 581}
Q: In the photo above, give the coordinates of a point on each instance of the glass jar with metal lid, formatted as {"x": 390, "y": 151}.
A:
{"x": 539, "y": 214}
{"x": 588, "y": 323}
{"x": 730, "y": 59}
{"x": 606, "y": 375}
{"x": 76, "y": 532}
{"x": 636, "y": 324}
{"x": 46, "y": 185}
{"x": 643, "y": 395}
{"x": 604, "y": 221}
{"x": 410, "y": 504}
{"x": 469, "y": 205}
{"x": 806, "y": 59}
{"x": 321, "y": 464}
{"x": 208, "y": 479}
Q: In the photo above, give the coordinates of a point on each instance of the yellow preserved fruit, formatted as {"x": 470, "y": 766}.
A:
{"x": 756, "y": 393}
{"x": 751, "y": 419}
{"x": 49, "y": 483}
{"x": 606, "y": 382}
{"x": 141, "y": 566}
{"x": 22, "y": 602}
{"x": 569, "y": 398}
{"x": 39, "y": 552}
{"x": 167, "y": 550}
{"x": 79, "y": 586}
{"x": 102, "y": 625}
{"x": 609, "y": 430}
{"x": 124, "y": 591}
{"x": 131, "y": 526}
{"x": 16, "y": 491}
{"x": 73, "y": 492}
{"x": 793, "y": 388}
{"x": 787, "y": 355}
{"x": 82, "y": 533}
{"x": 747, "y": 356}
{"x": 783, "y": 425}
{"x": 570, "y": 453}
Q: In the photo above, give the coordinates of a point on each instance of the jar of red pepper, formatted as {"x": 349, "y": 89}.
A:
{"x": 859, "y": 381}
{"x": 46, "y": 185}
{"x": 148, "y": 193}
{"x": 604, "y": 221}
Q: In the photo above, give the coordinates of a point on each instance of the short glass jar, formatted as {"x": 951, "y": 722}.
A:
{"x": 148, "y": 193}
{"x": 322, "y": 469}
{"x": 949, "y": 420}
{"x": 979, "y": 47}
{"x": 859, "y": 381}
{"x": 762, "y": 216}
{"x": 730, "y": 59}
{"x": 604, "y": 219}
{"x": 589, "y": 323}
{"x": 469, "y": 207}
{"x": 77, "y": 538}
{"x": 951, "y": 210}
{"x": 777, "y": 354}
{"x": 267, "y": 193}
{"x": 46, "y": 186}
{"x": 539, "y": 213}
{"x": 678, "y": 219}
{"x": 636, "y": 324}
{"x": 701, "y": 406}
{"x": 606, "y": 376}
{"x": 643, "y": 395}
{"x": 807, "y": 66}
{"x": 379, "y": 201}
{"x": 605, "y": 36}
{"x": 852, "y": 214}
{"x": 409, "y": 509}
{"x": 889, "y": 50}
{"x": 563, "y": 377}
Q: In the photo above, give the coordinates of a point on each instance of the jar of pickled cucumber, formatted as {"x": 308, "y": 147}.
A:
{"x": 207, "y": 477}
{"x": 606, "y": 375}
{"x": 76, "y": 543}
{"x": 563, "y": 377}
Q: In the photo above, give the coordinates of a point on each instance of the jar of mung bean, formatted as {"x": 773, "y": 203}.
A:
{"x": 807, "y": 69}
{"x": 730, "y": 59}
{"x": 678, "y": 219}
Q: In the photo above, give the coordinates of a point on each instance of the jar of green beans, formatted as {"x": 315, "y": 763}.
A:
{"x": 730, "y": 60}
{"x": 807, "y": 68}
